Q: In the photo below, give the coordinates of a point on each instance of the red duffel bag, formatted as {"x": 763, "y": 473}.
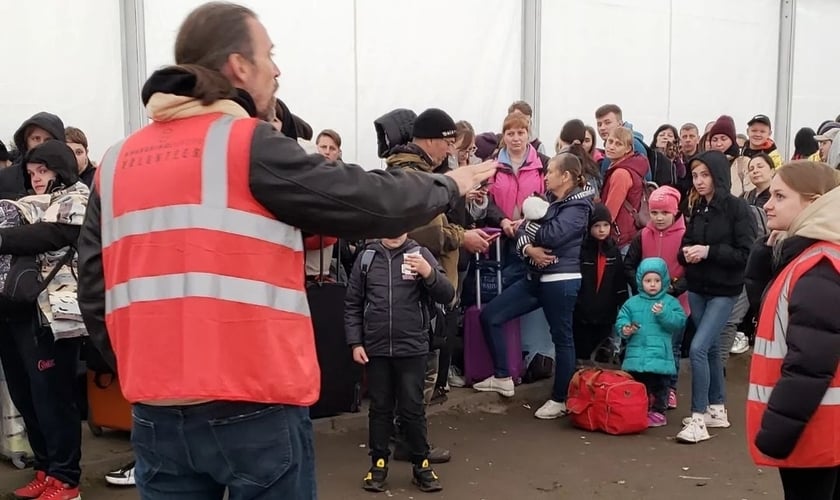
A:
{"x": 607, "y": 400}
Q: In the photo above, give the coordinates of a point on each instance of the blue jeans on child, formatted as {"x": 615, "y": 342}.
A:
{"x": 707, "y": 383}
{"x": 258, "y": 451}
{"x": 557, "y": 298}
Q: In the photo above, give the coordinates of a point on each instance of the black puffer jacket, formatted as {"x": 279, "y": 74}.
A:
{"x": 598, "y": 305}
{"x": 724, "y": 224}
{"x": 387, "y": 314}
{"x": 813, "y": 339}
{"x": 12, "y": 180}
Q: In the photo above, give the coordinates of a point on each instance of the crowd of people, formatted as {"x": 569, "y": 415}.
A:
{"x": 631, "y": 245}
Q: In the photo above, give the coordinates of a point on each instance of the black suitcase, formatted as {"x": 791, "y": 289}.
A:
{"x": 341, "y": 377}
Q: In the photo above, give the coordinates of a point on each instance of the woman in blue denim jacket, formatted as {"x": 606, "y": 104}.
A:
{"x": 551, "y": 248}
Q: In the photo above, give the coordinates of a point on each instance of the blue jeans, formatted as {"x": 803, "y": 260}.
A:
{"x": 710, "y": 315}
{"x": 257, "y": 451}
{"x": 558, "y": 302}
{"x": 513, "y": 267}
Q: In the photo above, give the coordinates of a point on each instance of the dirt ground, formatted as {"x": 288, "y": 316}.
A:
{"x": 501, "y": 452}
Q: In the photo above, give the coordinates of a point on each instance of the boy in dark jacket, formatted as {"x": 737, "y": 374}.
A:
{"x": 387, "y": 318}
{"x": 603, "y": 287}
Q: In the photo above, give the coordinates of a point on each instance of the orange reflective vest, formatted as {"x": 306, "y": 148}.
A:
{"x": 204, "y": 288}
{"x": 819, "y": 444}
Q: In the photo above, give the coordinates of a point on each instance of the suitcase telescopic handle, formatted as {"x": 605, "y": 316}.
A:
{"x": 498, "y": 265}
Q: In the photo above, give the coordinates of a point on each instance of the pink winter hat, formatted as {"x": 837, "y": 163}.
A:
{"x": 666, "y": 199}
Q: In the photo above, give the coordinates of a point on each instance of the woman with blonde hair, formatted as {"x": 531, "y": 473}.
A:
{"x": 793, "y": 407}
{"x": 624, "y": 185}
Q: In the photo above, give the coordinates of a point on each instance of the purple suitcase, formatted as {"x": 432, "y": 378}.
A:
{"x": 478, "y": 364}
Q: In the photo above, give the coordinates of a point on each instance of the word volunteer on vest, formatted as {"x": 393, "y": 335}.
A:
{"x": 200, "y": 274}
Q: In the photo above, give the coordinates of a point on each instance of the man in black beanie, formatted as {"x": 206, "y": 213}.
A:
{"x": 433, "y": 141}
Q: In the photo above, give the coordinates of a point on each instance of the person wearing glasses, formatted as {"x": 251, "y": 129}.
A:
{"x": 434, "y": 140}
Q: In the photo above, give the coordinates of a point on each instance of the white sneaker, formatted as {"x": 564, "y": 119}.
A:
{"x": 695, "y": 431}
{"x": 455, "y": 378}
{"x": 715, "y": 417}
{"x": 121, "y": 477}
{"x": 741, "y": 344}
{"x": 503, "y": 386}
{"x": 551, "y": 410}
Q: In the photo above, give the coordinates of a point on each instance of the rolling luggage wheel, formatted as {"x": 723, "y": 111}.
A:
{"x": 95, "y": 429}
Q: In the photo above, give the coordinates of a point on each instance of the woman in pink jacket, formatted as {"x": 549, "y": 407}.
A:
{"x": 520, "y": 175}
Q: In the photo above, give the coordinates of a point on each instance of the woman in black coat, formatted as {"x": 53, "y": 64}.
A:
{"x": 714, "y": 252}
{"x": 793, "y": 413}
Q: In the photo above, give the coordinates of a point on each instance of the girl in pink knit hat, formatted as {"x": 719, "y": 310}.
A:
{"x": 662, "y": 238}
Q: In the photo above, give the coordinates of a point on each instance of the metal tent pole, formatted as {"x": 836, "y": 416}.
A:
{"x": 133, "y": 44}
{"x": 784, "y": 82}
{"x": 531, "y": 35}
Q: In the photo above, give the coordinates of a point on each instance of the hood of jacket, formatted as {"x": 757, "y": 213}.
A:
{"x": 169, "y": 94}
{"x": 653, "y": 265}
{"x": 410, "y": 155}
{"x": 532, "y": 160}
{"x": 486, "y": 144}
{"x": 47, "y": 121}
{"x": 393, "y": 129}
{"x": 834, "y": 155}
{"x": 720, "y": 169}
{"x": 59, "y": 158}
{"x": 819, "y": 220}
{"x": 637, "y": 162}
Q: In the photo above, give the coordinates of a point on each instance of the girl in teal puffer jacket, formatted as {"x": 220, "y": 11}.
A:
{"x": 649, "y": 321}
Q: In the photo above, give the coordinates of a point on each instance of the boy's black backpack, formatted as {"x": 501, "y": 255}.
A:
{"x": 437, "y": 312}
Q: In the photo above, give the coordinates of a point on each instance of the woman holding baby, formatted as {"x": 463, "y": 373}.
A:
{"x": 550, "y": 247}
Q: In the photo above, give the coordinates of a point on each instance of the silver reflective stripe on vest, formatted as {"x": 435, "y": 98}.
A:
{"x": 777, "y": 348}
{"x": 761, "y": 394}
{"x": 177, "y": 286}
{"x": 770, "y": 349}
{"x": 198, "y": 216}
{"x": 214, "y": 191}
{"x": 105, "y": 189}
{"x": 211, "y": 214}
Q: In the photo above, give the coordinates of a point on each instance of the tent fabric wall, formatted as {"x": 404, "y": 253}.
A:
{"x": 344, "y": 63}
{"x": 314, "y": 50}
{"x": 464, "y": 57}
{"x": 815, "y": 96}
{"x": 662, "y": 61}
{"x": 57, "y": 60}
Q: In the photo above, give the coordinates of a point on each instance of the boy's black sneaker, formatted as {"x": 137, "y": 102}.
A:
{"x": 376, "y": 476}
{"x": 436, "y": 455}
{"x": 425, "y": 478}
{"x": 438, "y": 396}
